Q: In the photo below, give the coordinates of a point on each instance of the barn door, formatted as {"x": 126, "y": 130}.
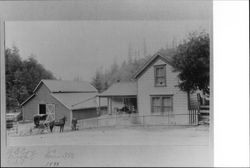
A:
{"x": 51, "y": 109}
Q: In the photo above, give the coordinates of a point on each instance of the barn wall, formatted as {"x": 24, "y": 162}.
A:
{"x": 146, "y": 88}
{"x": 43, "y": 97}
{"x": 85, "y": 113}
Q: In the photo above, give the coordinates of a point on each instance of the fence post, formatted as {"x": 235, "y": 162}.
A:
{"x": 17, "y": 127}
{"x": 143, "y": 120}
{"x": 168, "y": 116}
{"x": 115, "y": 121}
{"x": 192, "y": 117}
{"x": 196, "y": 118}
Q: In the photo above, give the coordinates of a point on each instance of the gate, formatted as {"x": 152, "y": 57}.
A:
{"x": 193, "y": 116}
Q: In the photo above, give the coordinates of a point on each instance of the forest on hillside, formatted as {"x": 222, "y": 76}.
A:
{"x": 21, "y": 76}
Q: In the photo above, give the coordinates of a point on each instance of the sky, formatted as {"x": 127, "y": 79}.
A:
{"x": 77, "y": 48}
{"x": 73, "y": 49}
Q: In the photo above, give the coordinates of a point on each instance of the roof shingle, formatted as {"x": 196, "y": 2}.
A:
{"x": 68, "y": 86}
{"x": 121, "y": 89}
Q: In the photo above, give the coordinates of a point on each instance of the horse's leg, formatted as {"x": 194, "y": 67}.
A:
{"x": 51, "y": 128}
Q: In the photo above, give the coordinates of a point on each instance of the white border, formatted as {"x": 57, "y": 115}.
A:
{"x": 231, "y": 83}
{"x": 43, "y": 12}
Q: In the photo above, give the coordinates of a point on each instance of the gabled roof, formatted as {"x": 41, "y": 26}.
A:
{"x": 89, "y": 103}
{"x": 76, "y": 100}
{"x": 121, "y": 89}
{"x": 27, "y": 99}
{"x": 67, "y": 92}
{"x": 150, "y": 61}
{"x": 67, "y": 86}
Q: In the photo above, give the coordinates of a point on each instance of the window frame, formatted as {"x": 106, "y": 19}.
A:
{"x": 156, "y": 77}
{"x": 162, "y": 105}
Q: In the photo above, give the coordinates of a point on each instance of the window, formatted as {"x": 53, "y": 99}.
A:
{"x": 162, "y": 104}
{"x": 160, "y": 75}
{"x": 42, "y": 108}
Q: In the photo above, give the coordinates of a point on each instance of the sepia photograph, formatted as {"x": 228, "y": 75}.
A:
{"x": 107, "y": 83}
{"x": 94, "y": 74}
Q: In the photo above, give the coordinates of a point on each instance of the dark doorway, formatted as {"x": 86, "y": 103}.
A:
{"x": 42, "y": 108}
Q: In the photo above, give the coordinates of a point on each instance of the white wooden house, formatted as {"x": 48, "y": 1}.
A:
{"x": 154, "y": 94}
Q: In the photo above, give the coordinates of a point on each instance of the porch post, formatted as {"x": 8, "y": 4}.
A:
{"x": 123, "y": 103}
{"x": 108, "y": 105}
{"x": 108, "y": 110}
{"x": 99, "y": 109}
{"x": 115, "y": 116}
{"x": 111, "y": 110}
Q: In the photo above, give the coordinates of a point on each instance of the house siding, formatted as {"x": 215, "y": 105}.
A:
{"x": 85, "y": 113}
{"x": 146, "y": 88}
{"x": 43, "y": 97}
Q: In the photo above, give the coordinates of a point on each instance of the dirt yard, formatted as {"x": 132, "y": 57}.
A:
{"x": 170, "y": 144}
{"x": 161, "y": 135}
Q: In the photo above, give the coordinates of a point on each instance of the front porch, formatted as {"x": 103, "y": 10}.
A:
{"x": 121, "y": 105}
{"x": 121, "y": 99}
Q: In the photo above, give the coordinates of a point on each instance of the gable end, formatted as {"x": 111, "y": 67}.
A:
{"x": 149, "y": 63}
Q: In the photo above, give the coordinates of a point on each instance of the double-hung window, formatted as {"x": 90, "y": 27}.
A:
{"x": 160, "y": 75}
{"x": 161, "y": 104}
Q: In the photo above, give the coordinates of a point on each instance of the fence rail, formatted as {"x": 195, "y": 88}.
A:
{"x": 13, "y": 129}
{"x": 140, "y": 120}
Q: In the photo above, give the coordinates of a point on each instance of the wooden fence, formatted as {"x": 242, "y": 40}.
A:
{"x": 14, "y": 129}
{"x": 193, "y": 116}
{"x": 139, "y": 120}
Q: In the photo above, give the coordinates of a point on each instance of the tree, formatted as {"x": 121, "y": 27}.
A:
{"x": 102, "y": 80}
{"x": 13, "y": 65}
{"x": 97, "y": 81}
{"x": 192, "y": 61}
{"x": 22, "y": 76}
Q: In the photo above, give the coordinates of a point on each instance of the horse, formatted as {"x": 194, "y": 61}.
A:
{"x": 59, "y": 123}
{"x": 43, "y": 121}
{"x": 38, "y": 118}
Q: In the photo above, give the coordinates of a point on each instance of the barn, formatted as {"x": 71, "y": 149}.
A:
{"x": 72, "y": 99}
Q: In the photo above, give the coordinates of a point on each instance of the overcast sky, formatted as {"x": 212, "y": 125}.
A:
{"x": 77, "y": 48}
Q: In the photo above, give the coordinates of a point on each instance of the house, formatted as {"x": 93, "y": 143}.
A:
{"x": 154, "y": 94}
{"x": 120, "y": 95}
{"x": 72, "y": 99}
